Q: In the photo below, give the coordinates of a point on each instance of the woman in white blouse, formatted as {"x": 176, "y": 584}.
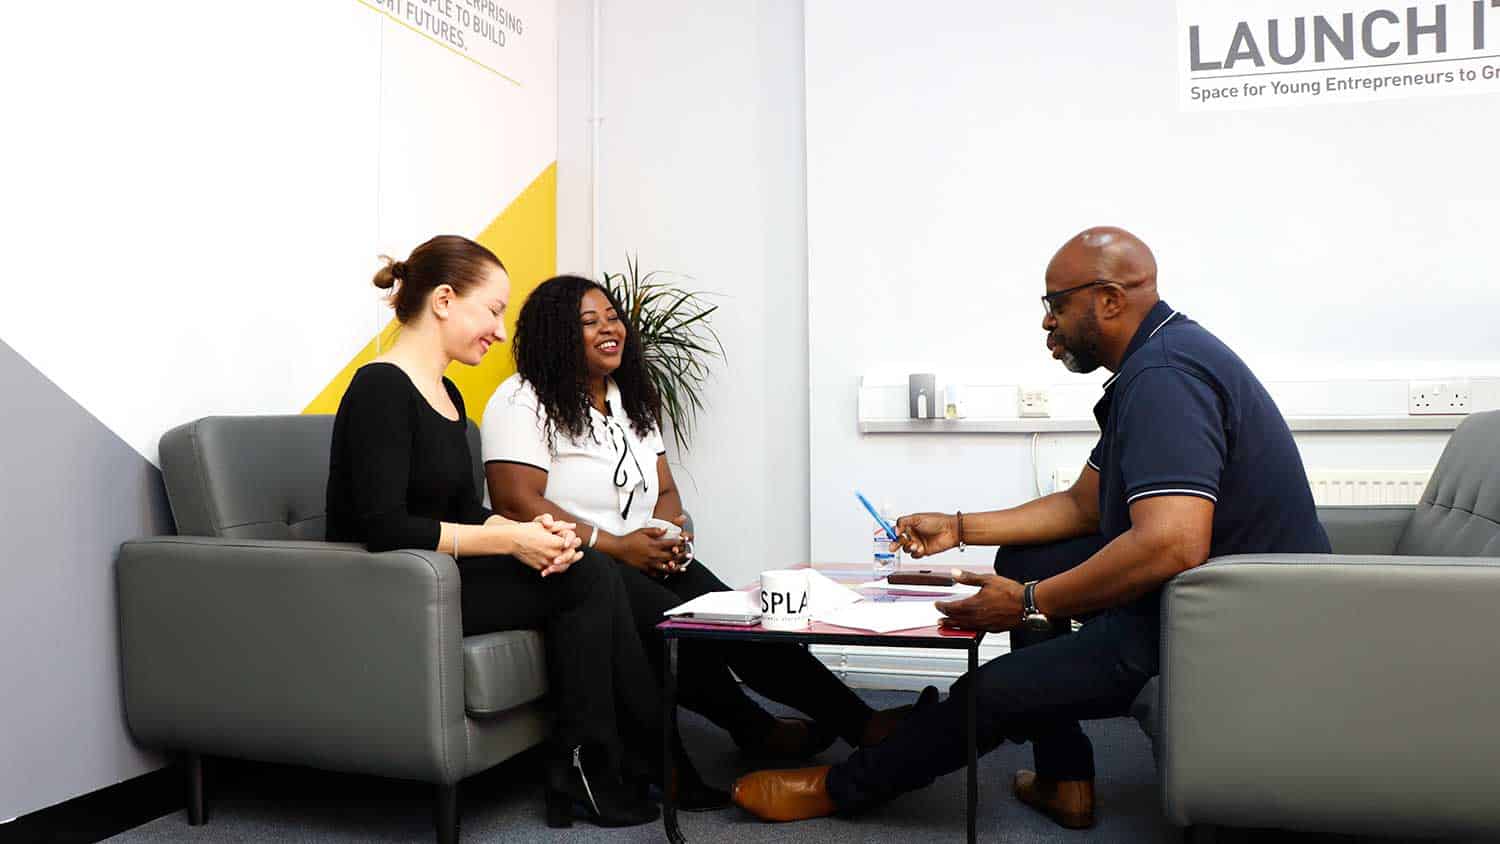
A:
{"x": 575, "y": 433}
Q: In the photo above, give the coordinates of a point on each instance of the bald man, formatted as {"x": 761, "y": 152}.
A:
{"x": 1193, "y": 461}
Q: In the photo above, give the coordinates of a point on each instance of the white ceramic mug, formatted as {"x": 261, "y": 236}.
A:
{"x": 783, "y": 600}
{"x": 672, "y": 531}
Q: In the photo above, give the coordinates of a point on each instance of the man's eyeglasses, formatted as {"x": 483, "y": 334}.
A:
{"x": 1052, "y": 301}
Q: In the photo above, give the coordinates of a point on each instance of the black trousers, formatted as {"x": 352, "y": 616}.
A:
{"x": 599, "y": 677}
{"x": 786, "y": 673}
{"x": 1036, "y": 693}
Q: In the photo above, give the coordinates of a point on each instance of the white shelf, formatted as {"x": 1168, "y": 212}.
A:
{"x": 976, "y": 426}
{"x": 1374, "y": 423}
{"x": 1087, "y": 426}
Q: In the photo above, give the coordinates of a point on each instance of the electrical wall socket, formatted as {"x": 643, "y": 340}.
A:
{"x": 1032, "y": 402}
{"x": 1063, "y": 479}
{"x": 1425, "y": 398}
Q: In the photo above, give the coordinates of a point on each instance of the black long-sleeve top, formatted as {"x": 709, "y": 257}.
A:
{"x": 398, "y": 466}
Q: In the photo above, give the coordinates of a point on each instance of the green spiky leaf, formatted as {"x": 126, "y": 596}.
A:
{"x": 677, "y": 339}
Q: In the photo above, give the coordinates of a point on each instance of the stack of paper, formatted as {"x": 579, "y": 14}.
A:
{"x": 823, "y": 594}
{"x": 827, "y": 601}
{"x": 883, "y": 617}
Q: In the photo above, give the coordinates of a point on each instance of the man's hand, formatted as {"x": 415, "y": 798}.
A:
{"x": 994, "y": 608}
{"x": 924, "y": 534}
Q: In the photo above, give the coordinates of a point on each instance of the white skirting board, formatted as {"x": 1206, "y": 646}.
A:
{"x": 904, "y": 668}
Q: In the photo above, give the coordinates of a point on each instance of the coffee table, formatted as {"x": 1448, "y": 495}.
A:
{"x": 674, "y": 631}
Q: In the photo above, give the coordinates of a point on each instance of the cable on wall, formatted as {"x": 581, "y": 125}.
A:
{"x": 1036, "y": 469}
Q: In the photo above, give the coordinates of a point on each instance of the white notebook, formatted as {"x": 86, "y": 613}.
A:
{"x": 720, "y": 606}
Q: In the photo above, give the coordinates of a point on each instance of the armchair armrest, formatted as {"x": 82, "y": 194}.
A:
{"x": 1342, "y": 692}
{"x": 311, "y": 653}
{"x": 1365, "y": 529}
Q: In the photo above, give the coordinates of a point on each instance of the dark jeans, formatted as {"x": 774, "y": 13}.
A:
{"x": 598, "y": 675}
{"x": 782, "y": 672}
{"x": 1038, "y": 693}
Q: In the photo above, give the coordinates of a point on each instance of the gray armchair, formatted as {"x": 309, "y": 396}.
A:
{"x": 1350, "y": 692}
{"x": 247, "y": 636}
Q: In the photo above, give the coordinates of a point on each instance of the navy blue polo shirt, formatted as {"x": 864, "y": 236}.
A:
{"x": 1184, "y": 415}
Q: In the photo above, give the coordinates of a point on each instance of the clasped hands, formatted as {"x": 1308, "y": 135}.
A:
{"x": 547, "y": 544}
{"x": 651, "y": 551}
{"x": 996, "y": 607}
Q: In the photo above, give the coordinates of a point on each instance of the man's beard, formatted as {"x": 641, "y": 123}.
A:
{"x": 1082, "y": 356}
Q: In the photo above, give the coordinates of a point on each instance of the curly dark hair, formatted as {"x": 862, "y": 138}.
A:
{"x": 548, "y": 346}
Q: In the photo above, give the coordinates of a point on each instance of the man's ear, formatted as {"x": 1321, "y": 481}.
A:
{"x": 1110, "y": 302}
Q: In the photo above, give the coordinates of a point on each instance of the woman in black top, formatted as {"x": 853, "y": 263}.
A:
{"x": 574, "y": 351}
{"x": 401, "y": 476}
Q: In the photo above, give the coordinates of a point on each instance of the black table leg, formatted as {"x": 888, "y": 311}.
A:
{"x": 668, "y": 730}
{"x": 973, "y": 742}
{"x": 197, "y": 807}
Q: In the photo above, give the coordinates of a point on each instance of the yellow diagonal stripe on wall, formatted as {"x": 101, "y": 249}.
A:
{"x": 525, "y": 238}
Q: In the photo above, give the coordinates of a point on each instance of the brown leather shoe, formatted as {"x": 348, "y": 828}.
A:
{"x": 882, "y": 724}
{"x": 788, "y": 738}
{"x": 885, "y": 721}
{"x": 794, "y": 795}
{"x": 1068, "y": 802}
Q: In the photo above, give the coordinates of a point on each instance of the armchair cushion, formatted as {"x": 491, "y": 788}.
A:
{"x": 1365, "y": 529}
{"x": 1459, "y": 515}
{"x": 502, "y": 671}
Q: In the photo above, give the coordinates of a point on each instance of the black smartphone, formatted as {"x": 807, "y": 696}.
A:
{"x": 919, "y": 578}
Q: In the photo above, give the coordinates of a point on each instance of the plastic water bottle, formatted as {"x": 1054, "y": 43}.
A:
{"x": 886, "y": 561}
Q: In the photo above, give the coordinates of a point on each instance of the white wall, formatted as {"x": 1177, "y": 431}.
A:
{"x": 945, "y": 167}
{"x": 194, "y": 196}
{"x": 702, "y": 156}
{"x": 575, "y": 175}
{"x": 198, "y": 189}
{"x": 701, "y": 172}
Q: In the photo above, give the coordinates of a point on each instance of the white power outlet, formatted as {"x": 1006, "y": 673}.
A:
{"x": 1424, "y": 398}
{"x": 1032, "y": 402}
{"x": 1063, "y": 479}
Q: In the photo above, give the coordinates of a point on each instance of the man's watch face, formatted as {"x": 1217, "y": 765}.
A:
{"x": 1037, "y": 621}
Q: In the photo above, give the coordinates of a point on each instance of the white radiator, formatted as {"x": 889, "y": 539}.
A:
{"x": 1336, "y": 486}
{"x": 1368, "y": 486}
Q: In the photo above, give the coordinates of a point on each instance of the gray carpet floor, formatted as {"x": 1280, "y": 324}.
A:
{"x": 265, "y": 803}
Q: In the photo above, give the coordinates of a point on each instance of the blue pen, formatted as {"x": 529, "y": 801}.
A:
{"x": 889, "y": 531}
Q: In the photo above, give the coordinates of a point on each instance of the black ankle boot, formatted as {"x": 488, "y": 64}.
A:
{"x": 581, "y": 784}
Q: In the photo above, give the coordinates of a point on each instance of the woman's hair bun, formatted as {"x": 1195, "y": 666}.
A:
{"x": 387, "y": 276}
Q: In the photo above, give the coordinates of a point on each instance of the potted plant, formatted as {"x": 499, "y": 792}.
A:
{"x": 677, "y": 340}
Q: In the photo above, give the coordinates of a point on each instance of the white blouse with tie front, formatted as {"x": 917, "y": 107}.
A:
{"x": 607, "y": 477}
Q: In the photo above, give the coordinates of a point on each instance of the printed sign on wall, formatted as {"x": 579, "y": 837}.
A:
{"x": 482, "y": 31}
{"x": 1257, "y": 53}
